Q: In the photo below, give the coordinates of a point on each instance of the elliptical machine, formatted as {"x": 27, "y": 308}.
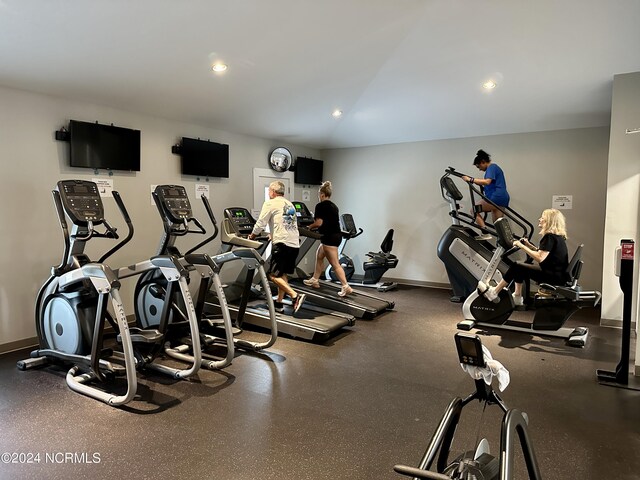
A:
{"x": 71, "y": 308}
{"x": 374, "y": 268}
{"x": 477, "y": 464}
{"x": 175, "y": 210}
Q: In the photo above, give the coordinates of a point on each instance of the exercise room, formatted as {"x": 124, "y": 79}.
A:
{"x": 319, "y": 240}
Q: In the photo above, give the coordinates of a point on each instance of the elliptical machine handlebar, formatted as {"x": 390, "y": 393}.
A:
{"x": 207, "y": 207}
{"x": 65, "y": 233}
{"x": 350, "y": 235}
{"x": 113, "y": 234}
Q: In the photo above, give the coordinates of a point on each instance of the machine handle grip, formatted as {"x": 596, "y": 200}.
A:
{"x": 65, "y": 230}
{"x": 212, "y": 217}
{"x": 207, "y": 207}
{"x": 452, "y": 171}
{"x": 123, "y": 209}
{"x": 127, "y": 218}
{"x": 419, "y": 473}
{"x": 200, "y": 230}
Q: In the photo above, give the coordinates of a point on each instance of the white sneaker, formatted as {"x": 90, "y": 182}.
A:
{"x": 345, "y": 290}
{"x": 488, "y": 292}
{"x": 312, "y": 282}
{"x": 518, "y": 301}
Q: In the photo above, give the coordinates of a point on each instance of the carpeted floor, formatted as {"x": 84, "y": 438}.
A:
{"x": 349, "y": 409}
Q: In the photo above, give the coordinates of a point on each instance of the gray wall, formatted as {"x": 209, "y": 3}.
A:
{"x": 32, "y": 162}
{"x": 390, "y": 186}
{"x": 397, "y": 186}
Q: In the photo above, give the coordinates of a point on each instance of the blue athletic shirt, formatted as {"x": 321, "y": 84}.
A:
{"x": 496, "y": 191}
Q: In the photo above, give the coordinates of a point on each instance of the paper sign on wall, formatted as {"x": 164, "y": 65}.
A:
{"x": 202, "y": 189}
{"x": 306, "y": 195}
{"x": 105, "y": 186}
{"x": 562, "y": 202}
{"x": 153, "y": 188}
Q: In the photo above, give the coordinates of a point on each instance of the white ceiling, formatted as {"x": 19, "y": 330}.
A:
{"x": 401, "y": 70}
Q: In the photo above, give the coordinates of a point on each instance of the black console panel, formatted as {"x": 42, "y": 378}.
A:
{"x": 81, "y": 201}
{"x": 175, "y": 202}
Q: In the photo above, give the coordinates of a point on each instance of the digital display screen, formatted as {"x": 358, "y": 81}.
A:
{"x": 308, "y": 171}
{"x": 468, "y": 347}
{"x": 203, "y": 158}
{"x": 239, "y": 213}
{"x": 93, "y": 145}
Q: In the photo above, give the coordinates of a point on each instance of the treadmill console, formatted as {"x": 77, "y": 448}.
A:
{"x": 303, "y": 214}
{"x": 81, "y": 201}
{"x": 470, "y": 350}
{"x": 241, "y": 220}
{"x": 174, "y": 202}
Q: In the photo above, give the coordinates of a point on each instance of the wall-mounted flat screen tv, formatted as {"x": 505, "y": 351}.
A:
{"x": 308, "y": 171}
{"x": 203, "y": 158}
{"x": 104, "y": 146}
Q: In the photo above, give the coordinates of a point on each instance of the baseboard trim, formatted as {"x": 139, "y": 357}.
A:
{"x": 610, "y": 322}
{"x": 417, "y": 283}
{"x": 18, "y": 345}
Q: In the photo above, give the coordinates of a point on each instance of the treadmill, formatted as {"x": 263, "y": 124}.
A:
{"x": 247, "y": 303}
{"x": 359, "y": 304}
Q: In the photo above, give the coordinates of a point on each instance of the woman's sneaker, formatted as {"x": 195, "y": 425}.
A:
{"x": 298, "y": 301}
{"x": 518, "y": 301}
{"x": 488, "y": 292}
{"x": 345, "y": 290}
{"x": 312, "y": 282}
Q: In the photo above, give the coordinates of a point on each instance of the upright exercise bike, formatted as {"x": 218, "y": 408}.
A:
{"x": 480, "y": 463}
{"x": 374, "y": 268}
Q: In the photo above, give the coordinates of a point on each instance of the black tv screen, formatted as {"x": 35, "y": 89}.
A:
{"x": 104, "y": 146}
{"x": 308, "y": 171}
{"x": 203, "y": 158}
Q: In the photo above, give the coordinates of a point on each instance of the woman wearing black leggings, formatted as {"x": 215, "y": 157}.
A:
{"x": 551, "y": 258}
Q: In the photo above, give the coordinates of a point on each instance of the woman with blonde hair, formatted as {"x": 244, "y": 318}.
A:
{"x": 551, "y": 258}
{"x": 327, "y": 221}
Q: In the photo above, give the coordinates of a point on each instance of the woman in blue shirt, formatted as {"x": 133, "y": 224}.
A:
{"x": 495, "y": 186}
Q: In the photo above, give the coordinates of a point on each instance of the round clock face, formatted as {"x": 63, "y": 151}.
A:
{"x": 280, "y": 159}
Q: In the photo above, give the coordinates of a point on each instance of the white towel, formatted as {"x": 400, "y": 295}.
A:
{"x": 493, "y": 369}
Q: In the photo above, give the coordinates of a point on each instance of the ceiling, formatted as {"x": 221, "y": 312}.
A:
{"x": 400, "y": 70}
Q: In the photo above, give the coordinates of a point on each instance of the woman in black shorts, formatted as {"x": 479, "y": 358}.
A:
{"x": 327, "y": 221}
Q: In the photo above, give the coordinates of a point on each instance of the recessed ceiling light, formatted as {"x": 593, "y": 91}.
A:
{"x": 219, "y": 67}
{"x": 337, "y": 113}
{"x": 490, "y": 85}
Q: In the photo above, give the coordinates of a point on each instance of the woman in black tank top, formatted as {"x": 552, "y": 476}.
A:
{"x": 327, "y": 221}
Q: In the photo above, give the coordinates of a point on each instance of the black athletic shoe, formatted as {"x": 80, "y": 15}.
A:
{"x": 279, "y": 307}
{"x": 298, "y": 301}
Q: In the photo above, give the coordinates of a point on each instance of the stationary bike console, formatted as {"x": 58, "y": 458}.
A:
{"x": 505, "y": 235}
{"x": 175, "y": 202}
{"x": 81, "y": 201}
{"x": 470, "y": 350}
